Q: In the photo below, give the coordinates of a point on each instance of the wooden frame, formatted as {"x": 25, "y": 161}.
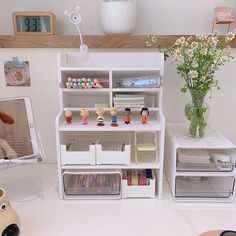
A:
{"x": 32, "y": 13}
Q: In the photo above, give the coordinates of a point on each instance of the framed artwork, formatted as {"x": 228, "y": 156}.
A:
{"x": 17, "y": 74}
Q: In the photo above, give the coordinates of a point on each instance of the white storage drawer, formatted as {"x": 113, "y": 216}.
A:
{"x": 114, "y": 149}
{"x": 137, "y": 190}
{"x": 204, "y": 187}
{"x": 92, "y": 184}
{"x": 205, "y": 160}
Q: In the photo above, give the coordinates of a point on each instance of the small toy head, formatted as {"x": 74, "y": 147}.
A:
{"x": 84, "y": 112}
{"x": 95, "y": 81}
{"x": 74, "y": 80}
{"x": 100, "y": 111}
{"x": 69, "y": 79}
{"x": 113, "y": 111}
{"x": 74, "y": 17}
{"x": 68, "y": 113}
{"x": 127, "y": 111}
{"x": 144, "y": 111}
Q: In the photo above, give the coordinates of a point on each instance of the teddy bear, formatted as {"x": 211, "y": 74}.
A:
{"x": 6, "y": 152}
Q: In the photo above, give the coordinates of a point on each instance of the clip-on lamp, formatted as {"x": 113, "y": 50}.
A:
{"x": 75, "y": 18}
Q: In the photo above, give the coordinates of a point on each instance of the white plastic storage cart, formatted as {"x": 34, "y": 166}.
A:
{"x": 126, "y": 79}
{"x": 199, "y": 169}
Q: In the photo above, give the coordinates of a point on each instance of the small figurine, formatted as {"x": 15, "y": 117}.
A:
{"x": 127, "y": 116}
{"x": 144, "y": 113}
{"x": 113, "y": 112}
{"x": 68, "y": 115}
{"x": 100, "y": 117}
{"x": 85, "y": 114}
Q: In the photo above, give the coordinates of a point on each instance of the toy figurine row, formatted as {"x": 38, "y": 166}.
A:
{"x": 84, "y": 113}
{"x": 83, "y": 83}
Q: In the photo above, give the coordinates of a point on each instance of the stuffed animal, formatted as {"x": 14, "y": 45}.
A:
{"x": 5, "y": 150}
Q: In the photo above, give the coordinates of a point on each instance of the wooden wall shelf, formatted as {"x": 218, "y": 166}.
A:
{"x": 93, "y": 41}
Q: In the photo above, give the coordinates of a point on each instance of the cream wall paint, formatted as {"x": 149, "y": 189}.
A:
{"x": 157, "y": 16}
{"x": 161, "y": 17}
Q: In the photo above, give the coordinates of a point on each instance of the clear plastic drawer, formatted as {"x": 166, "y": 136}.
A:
{"x": 91, "y": 184}
{"x": 204, "y": 187}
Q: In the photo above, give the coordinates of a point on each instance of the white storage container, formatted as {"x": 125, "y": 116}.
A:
{"x": 86, "y": 157}
{"x": 139, "y": 191}
{"x": 114, "y": 150}
{"x": 118, "y": 16}
{"x": 87, "y": 184}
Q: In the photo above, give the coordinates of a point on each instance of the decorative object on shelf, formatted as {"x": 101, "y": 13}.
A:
{"x": 144, "y": 115}
{"x": 197, "y": 59}
{"x": 85, "y": 114}
{"x": 127, "y": 116}
{"x": 68, "y": 116}
{"x": 9, "y": 219}
{"x": 113, "y": 112}
{"x": 118, "y": 16}
{"x": 34, "y": 23}
{"x": 75, "y": 18}
{"x": 82, "y": 83}
{"x": 223, "y": 15}
{"x": 140, "y": 82}
{"x": 100, "y": 118}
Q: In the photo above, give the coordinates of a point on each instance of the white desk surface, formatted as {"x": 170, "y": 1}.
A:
{"x": 33, "y": 193}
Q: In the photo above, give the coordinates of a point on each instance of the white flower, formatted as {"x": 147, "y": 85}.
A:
{"x": 192, "y": 74}
{"x": 180, "y": 40}
{"x": 154, "y": 39}
{"x": 230, "y": 36}
{"x": 194, "y": 45}
{"x": 202, "y": 78}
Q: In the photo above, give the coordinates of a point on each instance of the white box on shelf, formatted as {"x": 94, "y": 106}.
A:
{"x": 139, "y": 191}
{"x": 113, "y": 157}
{"x": 78, "y": 157}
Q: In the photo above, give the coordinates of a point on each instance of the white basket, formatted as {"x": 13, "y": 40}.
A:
{"x": 139, "y": 191}
{"x": 113, "y": 157}
{"x": 78, "y": 157}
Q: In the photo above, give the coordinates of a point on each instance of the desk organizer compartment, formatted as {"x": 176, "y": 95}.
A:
{"x": 204, "y": 187}
{"x": 80, "y": 150}
{"x": 145, "y": 145}
{"x": 92, "y": 184}
{"x": 138, "y": 184}
{"x": 206, "y": 160}
{"x": 113, "y": 150}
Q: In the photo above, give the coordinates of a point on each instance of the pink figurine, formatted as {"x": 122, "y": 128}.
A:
{"x": 100, "y": 118}
{"x": 68, "y": 115}
{"x": 85, "y": 114}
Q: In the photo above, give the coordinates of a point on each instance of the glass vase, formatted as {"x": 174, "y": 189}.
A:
{"x": 197, "y": 113}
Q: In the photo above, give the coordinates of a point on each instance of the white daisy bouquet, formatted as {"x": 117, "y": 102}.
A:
{"x": 197, "y": 58}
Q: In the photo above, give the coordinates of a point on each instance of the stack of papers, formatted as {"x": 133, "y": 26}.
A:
{"x": 128, "y": 100}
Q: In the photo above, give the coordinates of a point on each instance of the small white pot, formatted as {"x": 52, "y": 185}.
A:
{"x": 9, "y": 219}
{"x": 118, "y": 16}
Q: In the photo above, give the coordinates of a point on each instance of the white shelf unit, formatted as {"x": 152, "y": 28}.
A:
{"x": 199, "y": 178}
{"x": 113, "y": 66}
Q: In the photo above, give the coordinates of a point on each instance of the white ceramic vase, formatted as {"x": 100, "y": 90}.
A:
{"x": 118, "y": 16}
{"x": 9, "y": 219}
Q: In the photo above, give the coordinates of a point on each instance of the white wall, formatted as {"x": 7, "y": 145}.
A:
{"x": 161, "y": 17}
{"x": 157, "y": 16}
